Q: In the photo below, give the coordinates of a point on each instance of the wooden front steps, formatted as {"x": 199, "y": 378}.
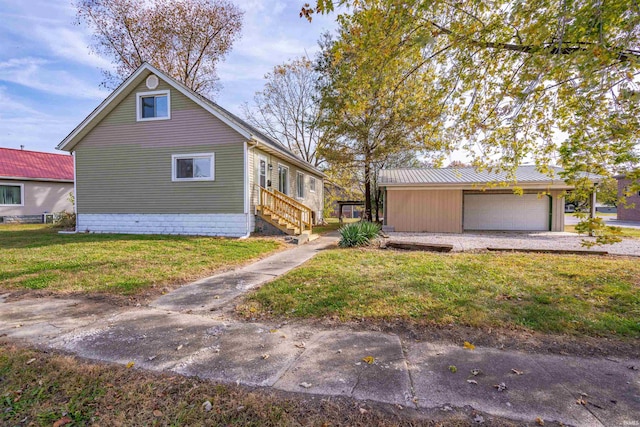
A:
{"x": 278, "y": 222}
{"x": 285, "y": 213}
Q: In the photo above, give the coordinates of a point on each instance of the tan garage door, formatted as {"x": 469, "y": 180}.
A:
{"x": 506, "y": 212}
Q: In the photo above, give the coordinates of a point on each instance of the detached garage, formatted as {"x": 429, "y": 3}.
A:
{"x": 453, "y": 200}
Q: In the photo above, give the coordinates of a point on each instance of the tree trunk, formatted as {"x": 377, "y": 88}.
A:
{"x": 367, "y": 187}
{"x": 378, "y": 198}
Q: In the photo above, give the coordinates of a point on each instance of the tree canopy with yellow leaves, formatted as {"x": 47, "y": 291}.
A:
{"x": 509, "y": 81}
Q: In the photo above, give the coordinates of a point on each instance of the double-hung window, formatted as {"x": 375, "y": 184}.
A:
{"x": 312, "y": 184}
{"x": 11, "y": 195}
{"x": 193, "y": 167}
{"x": 300, "y": 185}
{"x": 153, "y": 105}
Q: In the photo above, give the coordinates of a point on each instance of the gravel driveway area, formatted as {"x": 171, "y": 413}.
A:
{"x": 517, "y": 240}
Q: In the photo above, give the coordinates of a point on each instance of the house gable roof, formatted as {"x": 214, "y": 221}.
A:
{"x": 468, "y": 176}
{"x": 225, "y": 116}
{"x": 35, "y": 165}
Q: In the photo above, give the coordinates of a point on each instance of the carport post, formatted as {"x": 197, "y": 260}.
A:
{"x": 592, "y": 207}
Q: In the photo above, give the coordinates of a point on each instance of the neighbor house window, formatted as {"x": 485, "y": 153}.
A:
{"x": 283, "y": 179}
{"x": 11, "y": 195}
{"x": 312, "y": 184}
{"x": 193, "y": 167}
{"x": 153, "y": 105}
{"x": 300, "y": 185}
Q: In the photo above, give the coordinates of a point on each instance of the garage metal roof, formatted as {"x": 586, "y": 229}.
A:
{"x": 466, "y": 175}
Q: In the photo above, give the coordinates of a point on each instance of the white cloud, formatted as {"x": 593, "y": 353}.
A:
{"x": 273, "y": 33}
{"x": 21, "y": 124}
{"x": 70, "y": 45}
{"x": 37, "y": 73}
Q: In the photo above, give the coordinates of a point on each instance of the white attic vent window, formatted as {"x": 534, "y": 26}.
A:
{"x": 152, "y": 82}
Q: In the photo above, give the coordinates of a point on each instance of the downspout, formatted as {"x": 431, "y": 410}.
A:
{"x": 75, "y": 189}
{"x": 246, "y": 190}
{"x": 550, "y": 212}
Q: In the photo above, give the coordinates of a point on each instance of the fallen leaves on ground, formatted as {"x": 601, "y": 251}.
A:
{"x": 62, "y": 422}
{"x": 453, "y": 369}
{"x": 501, "y": 387}
{"x": 539, "y": 421}
{"x": 474, "y": 382}
{"x": 130, "y": 365}
{"x": 305, "y": 385}
{"x": 515, "y": 371}
{"x": 368, "y": 360}
{"x": 468, "y": 346}
{"x": 157, "y": 413}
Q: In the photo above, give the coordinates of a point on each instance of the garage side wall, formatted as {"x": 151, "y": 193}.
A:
{"x": 435, "y": 211}
{"x": 557, "y": 210}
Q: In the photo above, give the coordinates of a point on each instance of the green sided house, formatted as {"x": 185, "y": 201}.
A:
{"x": 454, "y": 200}
{"x": 157, "y": 158}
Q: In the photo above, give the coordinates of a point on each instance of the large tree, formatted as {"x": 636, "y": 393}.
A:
{"x": 550, "y": 82}
{"x": 185, "y": 38}
{"x": 372, "y": 109}
{"x": 288, "y": 109}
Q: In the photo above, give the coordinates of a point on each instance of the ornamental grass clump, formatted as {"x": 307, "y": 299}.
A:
{"x": 358, "y": 234}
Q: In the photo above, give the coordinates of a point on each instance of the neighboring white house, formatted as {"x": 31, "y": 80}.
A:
{"x": 33, "y": 183}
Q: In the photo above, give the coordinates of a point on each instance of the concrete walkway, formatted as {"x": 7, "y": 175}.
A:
{"x": 186, "y": 332}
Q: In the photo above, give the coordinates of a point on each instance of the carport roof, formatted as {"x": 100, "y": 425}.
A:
{"x": 468, "y": 175}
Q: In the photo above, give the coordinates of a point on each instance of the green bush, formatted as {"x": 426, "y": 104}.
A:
{"x": 358, "y": 234}
{"x": 370, "y": 229}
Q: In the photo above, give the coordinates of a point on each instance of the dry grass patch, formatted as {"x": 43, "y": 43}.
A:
{"x": 592, "y": 296}
{"x": 39, "y": 389}
{"x": 37, "y": 257}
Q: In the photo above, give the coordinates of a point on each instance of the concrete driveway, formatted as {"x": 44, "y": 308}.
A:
{"x": 474, "y": 241}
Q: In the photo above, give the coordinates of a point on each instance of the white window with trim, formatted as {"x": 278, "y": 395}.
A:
{"x": 283, "y": 179}
{"x": 11, "y": 195}
{"x": 300, "y": 185}
{"x": 153, "y": 105}
{"x": 193, "y": 167}
{"x": 312, "y": 184}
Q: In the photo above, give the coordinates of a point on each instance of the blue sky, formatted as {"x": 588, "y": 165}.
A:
{"x": 50, "y": 80}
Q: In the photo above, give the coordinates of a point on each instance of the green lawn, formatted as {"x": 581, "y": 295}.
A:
{"x": 594, "y": 296}
{"x": 333, "y": 225}
{"x": 37, "y": 257}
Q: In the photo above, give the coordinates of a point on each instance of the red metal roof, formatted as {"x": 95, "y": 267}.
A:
{"x": 35, "y": 165}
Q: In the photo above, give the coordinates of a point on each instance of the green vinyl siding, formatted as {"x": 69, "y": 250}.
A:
{"x": 125, "y": 112}
{"x": 124, "y": 166}
{"x": 139, "y": 181}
